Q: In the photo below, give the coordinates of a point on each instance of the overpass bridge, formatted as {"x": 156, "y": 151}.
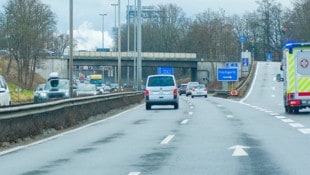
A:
{"x": 106, "y": 63}
{"x": 186, "y": 65}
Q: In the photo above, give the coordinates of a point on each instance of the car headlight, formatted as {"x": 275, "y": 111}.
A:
{"x": 43, "y": 94}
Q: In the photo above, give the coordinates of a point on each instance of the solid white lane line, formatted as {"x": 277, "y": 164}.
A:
{"x": 167, "y": 140}
{"x": 304, "y": 131}
{"x": 134, "y": 173}
{"x": 287, "y": 120}
{"x": 252, "y": 85}
{"x": 185, "y": 121}
{"x": 296, "y": 125}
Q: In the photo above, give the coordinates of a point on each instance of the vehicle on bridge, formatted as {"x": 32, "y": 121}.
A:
{"x": 296, "y": 75}
{"x": 96, "y": 79}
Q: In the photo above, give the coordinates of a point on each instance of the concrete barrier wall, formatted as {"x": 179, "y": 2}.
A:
{"x": 33, "y": 120}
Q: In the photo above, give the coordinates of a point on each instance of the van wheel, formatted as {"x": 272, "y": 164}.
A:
{"x": 176, "y": 106}
{"x": 147, "y": 106}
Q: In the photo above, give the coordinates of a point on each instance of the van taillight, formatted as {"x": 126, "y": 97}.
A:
{"x": 175, "y": 92}
{"x": 147, "y": 92}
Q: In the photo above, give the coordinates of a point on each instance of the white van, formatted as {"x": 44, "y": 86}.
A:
{"x": 161, "y": 90}
{"x": 5, "y": 97}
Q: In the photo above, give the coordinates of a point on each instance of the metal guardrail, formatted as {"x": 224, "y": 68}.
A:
{"x": 19, "y": 111}
{"x": 30, "y": 120}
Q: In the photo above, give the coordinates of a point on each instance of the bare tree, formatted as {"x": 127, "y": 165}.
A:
{"x": 29, "y": 25}
{"x": 297, "y": 26}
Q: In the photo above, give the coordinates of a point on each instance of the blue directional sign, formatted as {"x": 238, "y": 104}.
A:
{"x": 242, "y": 39}
{"x": 227, "y": 74}
{"x": 165, "y": 70}
{"x": 231, "y": 64}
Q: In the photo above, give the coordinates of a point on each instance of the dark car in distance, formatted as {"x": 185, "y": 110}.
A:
{"x": 182, "y": 89}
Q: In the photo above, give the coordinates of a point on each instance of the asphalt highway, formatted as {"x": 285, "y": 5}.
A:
{"x": 209, "y": 136}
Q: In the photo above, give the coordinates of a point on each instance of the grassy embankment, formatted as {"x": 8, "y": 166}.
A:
{"x": 18, "y": 94}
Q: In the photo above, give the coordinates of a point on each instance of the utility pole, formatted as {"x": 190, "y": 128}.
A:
{"x": 71, "y": 50}
{"x": 139, "y": 46}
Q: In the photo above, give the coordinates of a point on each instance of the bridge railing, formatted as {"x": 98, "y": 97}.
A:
{"x": 133, "y": 54}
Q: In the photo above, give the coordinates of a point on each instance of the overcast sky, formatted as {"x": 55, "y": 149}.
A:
{"x": 88, "y": 23}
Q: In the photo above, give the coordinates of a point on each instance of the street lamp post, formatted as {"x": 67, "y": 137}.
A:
{"x": 114, "y": 29}
{"x": 71, "y": 49}
{"x": 114, "y": 33}
{"x": 119, "y": 46}
{"x": 102, "y": 29}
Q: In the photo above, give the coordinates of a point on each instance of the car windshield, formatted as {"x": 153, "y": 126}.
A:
{"x": 2, "y": 84}
{"x": 161, "y": 81}
{"x": 63, "y": 84}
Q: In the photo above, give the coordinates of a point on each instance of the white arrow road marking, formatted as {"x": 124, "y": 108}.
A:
{"x": 238, "y": 150}
{"x": 167, "y": 140}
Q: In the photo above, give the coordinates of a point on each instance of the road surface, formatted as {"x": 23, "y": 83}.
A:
{"x": 253, "y": 136}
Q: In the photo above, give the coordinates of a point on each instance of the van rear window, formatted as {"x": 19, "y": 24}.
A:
{"x": 160, "y": 81}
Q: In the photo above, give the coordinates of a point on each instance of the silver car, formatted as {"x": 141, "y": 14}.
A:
{"x": 5, "y": 97}
{"x": 161, "y": 90}
{"x": 199, "y": 90}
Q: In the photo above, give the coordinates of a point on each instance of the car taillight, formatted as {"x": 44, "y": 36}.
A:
{"x": 175, "y": 92}
{"x": 193, "y": 89}
{"x": 205, "y": 89}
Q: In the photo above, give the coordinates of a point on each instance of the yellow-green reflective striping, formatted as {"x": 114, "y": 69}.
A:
{"x": 304, "y": 84}
{"x": 291, "y": 73}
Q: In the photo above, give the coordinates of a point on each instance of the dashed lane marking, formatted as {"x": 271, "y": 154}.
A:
{"x": 287, "y": 120}
{"x": 230, "y": 116}
{"x": 304, "y": 131}
{"x": 134, "y": 173}
{"x": 167, "y": 140}
{"x": 280, "y": 117}
{"x": 296, "y": 125}
{"x": 185, "y": 121}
